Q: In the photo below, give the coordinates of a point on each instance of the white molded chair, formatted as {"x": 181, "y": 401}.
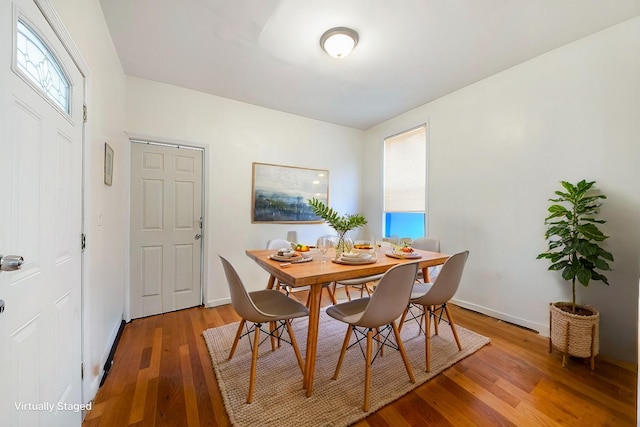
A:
{"x": 277, "y": 244}
{"x": 377, "y": 313}
{"x": 430, "y": 300}
{"x": 259, "y": 307}
{"x": 430, "y": 244}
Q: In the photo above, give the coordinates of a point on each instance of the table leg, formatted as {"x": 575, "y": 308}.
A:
{"x": 272, "y": 280}
{"x": 315, "y": 294}
{"x": 425, "y": 275}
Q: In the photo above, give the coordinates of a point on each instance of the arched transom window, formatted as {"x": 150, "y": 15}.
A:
{"x": 38, "y": 64}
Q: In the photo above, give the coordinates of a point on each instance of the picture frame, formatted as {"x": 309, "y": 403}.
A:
{"x": 108, "y": 164}
{"x": 279, "y": 193}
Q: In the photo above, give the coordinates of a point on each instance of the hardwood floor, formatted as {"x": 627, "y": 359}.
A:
{"x": 162, "y": 376}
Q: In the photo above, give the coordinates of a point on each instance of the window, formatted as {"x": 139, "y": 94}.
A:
{"x": 36, "y": 62}
{"x": 405, "y": 172}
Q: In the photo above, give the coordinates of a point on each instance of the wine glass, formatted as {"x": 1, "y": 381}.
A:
{"x": 323, "y": 244}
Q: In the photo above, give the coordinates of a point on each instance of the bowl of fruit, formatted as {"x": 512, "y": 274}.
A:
{"x": 303, "y": 250}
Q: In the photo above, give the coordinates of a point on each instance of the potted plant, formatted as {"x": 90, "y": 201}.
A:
{"x": 574, "y": 250}
{"x": 341, "y": 224}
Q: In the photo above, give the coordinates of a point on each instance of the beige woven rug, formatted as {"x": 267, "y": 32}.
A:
{"x": 279, "y": 398}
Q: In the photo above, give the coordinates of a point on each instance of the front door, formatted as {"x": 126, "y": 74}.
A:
{"x": 166, "y": 210}
{"x": 41, "y": 131}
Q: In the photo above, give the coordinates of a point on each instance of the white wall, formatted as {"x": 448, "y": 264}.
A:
{"x": 497, "y": 151}
{"x": 104, "y": 258}
{"x": 234, "y": 135}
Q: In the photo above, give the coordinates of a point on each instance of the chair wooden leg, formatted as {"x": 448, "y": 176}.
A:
{"x": 254, "y": 362}
{"x": 378, "y": 340}
{"x": 367, "y": 374}
{"x": 405, "y": 359}
{"x": 235, "y": 341}
{"x": 332, "y": 294}
{"x": 453, "y": 326}
{"x": 346, "y": 291}
{"x": 427, "y": 339}
{"x": 404, "y": 316}
{"x": 345, "y": 344}
{"x": 294, "y": 344}
{"x": 366, "y": 288}
{"x": 435, "y": 321}
{"x": 272, "y": 328}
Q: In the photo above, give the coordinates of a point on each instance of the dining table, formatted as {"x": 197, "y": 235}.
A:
{"x": 316, "y": 274}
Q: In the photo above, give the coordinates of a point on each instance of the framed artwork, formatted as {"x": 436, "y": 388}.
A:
{"x": 108, "y": 164}
{"x": 279, "y": 194}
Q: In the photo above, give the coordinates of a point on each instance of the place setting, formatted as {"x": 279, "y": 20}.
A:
{"x": 290, "y": 256}
{"x": 359, "y": 254}
{"x": 403, "y": 252}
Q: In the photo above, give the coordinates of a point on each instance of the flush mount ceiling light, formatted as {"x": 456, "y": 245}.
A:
{"x": 339, "y": 42}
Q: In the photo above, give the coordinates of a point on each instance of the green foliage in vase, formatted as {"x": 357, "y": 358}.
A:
{"x": 340, "y": 223}
{"x": 573, "y": 236}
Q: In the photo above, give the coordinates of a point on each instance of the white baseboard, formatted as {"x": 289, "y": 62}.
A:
{"x": 542, "y": 329}
{"x": 217, "y": 302}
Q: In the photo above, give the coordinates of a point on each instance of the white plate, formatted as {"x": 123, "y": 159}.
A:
{"x": 356, "y": 259}
{"x": 351, "y": 255}
{"x": 276, "y": 257}
{"x": 404, "y": 255}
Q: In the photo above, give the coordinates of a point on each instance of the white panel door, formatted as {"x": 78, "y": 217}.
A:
{"x": 40, "y": 219}
{"x": 166, "y": 205}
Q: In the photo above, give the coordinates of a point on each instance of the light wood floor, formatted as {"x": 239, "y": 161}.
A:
{"x": 162, "y": 376}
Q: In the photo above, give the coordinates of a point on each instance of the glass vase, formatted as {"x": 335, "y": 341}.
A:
{"x": 343, "y": 243}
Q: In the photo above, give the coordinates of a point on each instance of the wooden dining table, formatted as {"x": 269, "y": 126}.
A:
{"x": 317, "y": 274}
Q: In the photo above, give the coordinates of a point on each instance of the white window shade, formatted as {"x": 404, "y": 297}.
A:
{"x": 405, "y": 166}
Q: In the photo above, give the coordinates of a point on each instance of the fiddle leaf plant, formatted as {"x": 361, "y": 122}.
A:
{"x": 574, "y": 237}
{"x": 340, "y": 223}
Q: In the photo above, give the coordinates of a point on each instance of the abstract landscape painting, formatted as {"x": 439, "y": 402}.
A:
{"x": 280, "y": 193}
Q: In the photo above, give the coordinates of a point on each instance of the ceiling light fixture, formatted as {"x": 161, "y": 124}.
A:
{"x": 339, "y": 41}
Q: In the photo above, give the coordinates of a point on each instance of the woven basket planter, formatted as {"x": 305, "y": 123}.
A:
{"x": 574, "y": 334}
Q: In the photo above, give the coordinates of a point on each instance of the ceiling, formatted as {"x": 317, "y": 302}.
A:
{"x": 267, "y": 52}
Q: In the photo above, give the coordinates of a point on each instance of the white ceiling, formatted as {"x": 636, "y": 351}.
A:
{"x": 267, "y": 52}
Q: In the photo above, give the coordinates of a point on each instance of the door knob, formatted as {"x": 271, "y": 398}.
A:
{"x": 10, "y": 262}
{"x": 197, "y": 236}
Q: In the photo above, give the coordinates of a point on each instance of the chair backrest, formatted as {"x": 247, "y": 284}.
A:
{"x": 390, "y": 297}
{"x": 427, "y": 244}
{"x": 240, "y": 299}
{"x": 278, "y": 244}
{"x": 446, "y": 284}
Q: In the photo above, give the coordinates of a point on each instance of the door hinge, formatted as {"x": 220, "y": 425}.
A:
{"x": 84, "y": 113}
{"x": 82, "y": 370}
{"x": 83, "y": 241}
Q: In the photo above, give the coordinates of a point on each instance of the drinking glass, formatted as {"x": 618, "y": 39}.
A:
{"x": 323, "y": 244}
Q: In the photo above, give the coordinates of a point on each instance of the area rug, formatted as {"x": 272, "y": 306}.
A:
{"x": 279, "y": 399}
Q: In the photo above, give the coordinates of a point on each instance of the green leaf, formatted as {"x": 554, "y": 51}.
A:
{"x": 339, "y": 223}
{"x": 605, "y": 254}
{"x": 584, "y": 276}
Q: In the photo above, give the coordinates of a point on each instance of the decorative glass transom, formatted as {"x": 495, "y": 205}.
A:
{"x": 38, "y": 63}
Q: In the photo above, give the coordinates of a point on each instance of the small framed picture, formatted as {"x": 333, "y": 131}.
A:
{"x": 108, "y": 164}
